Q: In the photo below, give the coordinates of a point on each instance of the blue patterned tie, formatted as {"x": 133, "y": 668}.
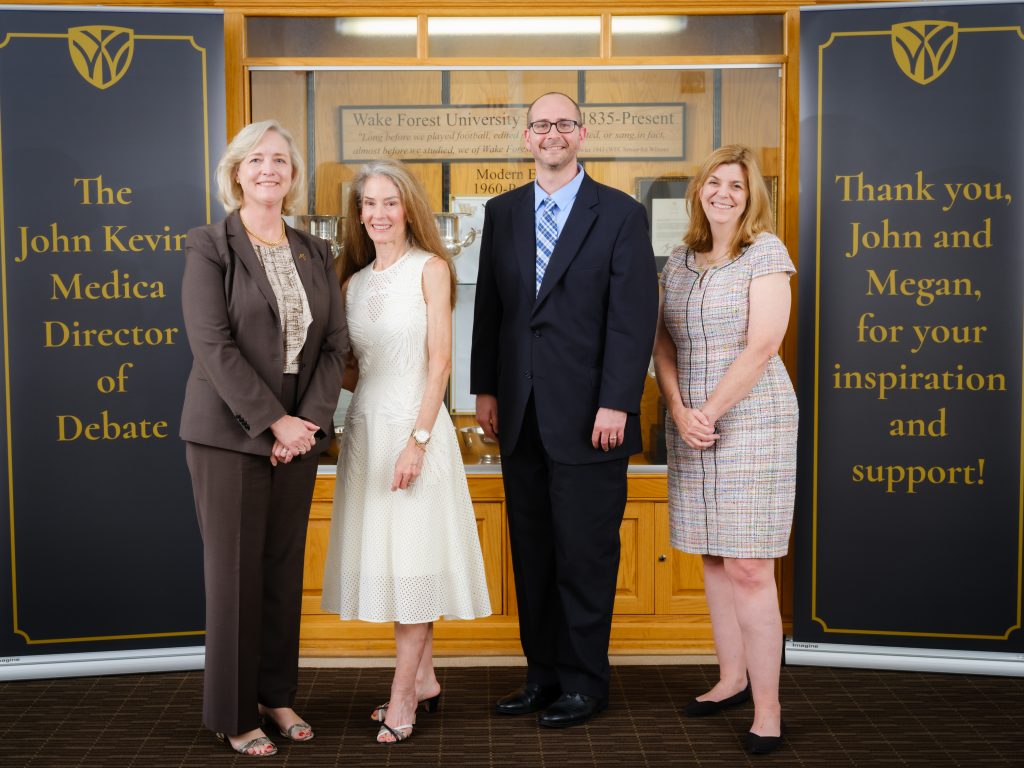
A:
{"x": 547, "y": 236}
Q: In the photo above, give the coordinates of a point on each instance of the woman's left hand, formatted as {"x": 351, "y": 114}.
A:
{"x": 279, "y": 454}
{"x": 408, "y": 466}
{"x": 695, "y": 427}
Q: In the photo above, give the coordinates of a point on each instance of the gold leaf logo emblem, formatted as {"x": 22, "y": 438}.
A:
{"x": 101, "y": 54}
{"x": 924, "y": 49}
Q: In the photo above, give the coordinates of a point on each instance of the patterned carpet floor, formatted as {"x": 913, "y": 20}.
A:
{"x": 833, "y": 717}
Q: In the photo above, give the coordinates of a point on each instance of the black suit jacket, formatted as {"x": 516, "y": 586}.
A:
{"x": 233, "y": 393}
{"x": 584, "y": 342}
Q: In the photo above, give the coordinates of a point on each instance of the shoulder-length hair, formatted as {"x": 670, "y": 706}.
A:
{"x": 229, "y": 192}
{"x": 756, "y": 218}
{"x": 420, "y": 227}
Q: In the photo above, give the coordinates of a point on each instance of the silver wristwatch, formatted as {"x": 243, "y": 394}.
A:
{"x": 421, "y": 436}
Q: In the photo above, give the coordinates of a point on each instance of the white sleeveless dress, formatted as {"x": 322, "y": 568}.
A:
{"x": 413, "y": 555}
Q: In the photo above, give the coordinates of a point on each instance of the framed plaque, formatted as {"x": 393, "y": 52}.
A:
{"x": 664, "y": 197}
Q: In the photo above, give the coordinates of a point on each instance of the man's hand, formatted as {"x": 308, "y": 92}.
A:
{"x": 609, "y": 429}
{"x": 487, "y": 414}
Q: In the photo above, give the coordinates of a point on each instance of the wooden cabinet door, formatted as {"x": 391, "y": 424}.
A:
{"x": 490, "y": 526}
{"x": 679, "y": 578}
{"x": 634, "y": 589}
{"x": 316, "y": 544}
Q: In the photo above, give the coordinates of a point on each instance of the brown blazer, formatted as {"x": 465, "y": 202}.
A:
{"x": 233, "y": 393}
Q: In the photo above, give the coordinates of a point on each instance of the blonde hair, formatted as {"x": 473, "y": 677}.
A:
{"x": 229, "y": 191}
{"x": 757, "y": 216}
{"x": 420, "y": 229}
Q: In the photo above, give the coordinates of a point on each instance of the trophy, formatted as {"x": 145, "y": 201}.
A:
{"x": 478, "y": 448}
{"x": 323, "y": 226}
{"x": 448, "y": 226}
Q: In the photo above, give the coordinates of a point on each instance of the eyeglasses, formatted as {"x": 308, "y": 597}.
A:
{"x": 541, "y": 127}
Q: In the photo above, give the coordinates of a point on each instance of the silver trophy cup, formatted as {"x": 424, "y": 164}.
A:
{"x": 327, "y": 227}
{"x": 448, "y": 226}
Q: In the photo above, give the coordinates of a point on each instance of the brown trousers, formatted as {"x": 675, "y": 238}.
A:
{"x": 253, "y": 519}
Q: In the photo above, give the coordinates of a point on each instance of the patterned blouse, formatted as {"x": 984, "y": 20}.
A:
{"x": 292, "y": 304}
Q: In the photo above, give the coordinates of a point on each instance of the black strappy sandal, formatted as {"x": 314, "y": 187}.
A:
{"x": 396, "y": 732}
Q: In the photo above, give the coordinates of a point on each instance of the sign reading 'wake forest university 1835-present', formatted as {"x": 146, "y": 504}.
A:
{"x": 475, "y": 133}
{"x": 109, "y": 125}
{"x": 911, "y": 511}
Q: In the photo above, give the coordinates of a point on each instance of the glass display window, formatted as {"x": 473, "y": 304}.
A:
{"x": 460, "y": 128}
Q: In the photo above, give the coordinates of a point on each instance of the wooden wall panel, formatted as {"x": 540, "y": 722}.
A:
{"x": 500, "y": 87}
{"x": 503, "y": 87}
{"x": 335, "y": 89}
{"x": 750, "y": 113}
{"x": 691, "y": 87}
{"x": 281, "y": 95}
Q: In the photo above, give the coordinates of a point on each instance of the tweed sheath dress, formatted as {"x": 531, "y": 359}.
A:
{"x": 734, "y": 499}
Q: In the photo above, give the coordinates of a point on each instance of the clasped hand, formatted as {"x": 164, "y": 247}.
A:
{"x": 696, "y": 429}
{"x": 292, "y": 437}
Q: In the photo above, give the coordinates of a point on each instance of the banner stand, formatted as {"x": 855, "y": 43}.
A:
{"x": 107, "y": 663}
{"x": 902, "y": 659}
{"x": 924, "y": 574}
{"x": 111, "y": 122}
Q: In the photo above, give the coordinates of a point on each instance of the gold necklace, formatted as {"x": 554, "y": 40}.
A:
{"x": 267, "y": 243}
{"x": 710, "y": 263}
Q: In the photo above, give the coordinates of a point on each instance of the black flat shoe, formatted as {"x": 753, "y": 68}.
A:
{"x": 529, "y": 697}
{"x": 704, "y": 708}
{"x": 572, "y": 709}
{"x": 762, "y": 745}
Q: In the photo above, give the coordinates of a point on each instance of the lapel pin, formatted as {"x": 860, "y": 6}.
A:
{"x": 302, "y": 256}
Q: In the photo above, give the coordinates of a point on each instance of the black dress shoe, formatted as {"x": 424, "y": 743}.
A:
{"x": 762, "y": 745}
{"x": 704, "y": 708}
{"x": 572, "y": 709}
{"x": 529, "y": 697}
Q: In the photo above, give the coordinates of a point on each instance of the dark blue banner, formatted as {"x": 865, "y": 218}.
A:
{"x": 910, "y": 508}
{"x": 110, "y": 126}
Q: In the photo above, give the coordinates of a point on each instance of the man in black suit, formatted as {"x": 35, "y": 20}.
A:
{"x": 566, "y": 306}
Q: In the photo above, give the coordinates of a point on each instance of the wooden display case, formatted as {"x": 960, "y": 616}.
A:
{"x": 737, "y": 96}
{"x": 659, "y": 602}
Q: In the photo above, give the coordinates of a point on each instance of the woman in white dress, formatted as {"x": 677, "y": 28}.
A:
{"x": 403, "y": 545}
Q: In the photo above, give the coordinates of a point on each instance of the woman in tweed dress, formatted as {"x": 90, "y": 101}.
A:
{"x": 732, "y": 420}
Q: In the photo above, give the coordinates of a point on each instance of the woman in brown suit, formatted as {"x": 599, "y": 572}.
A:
{"x": 264, "y": 317}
